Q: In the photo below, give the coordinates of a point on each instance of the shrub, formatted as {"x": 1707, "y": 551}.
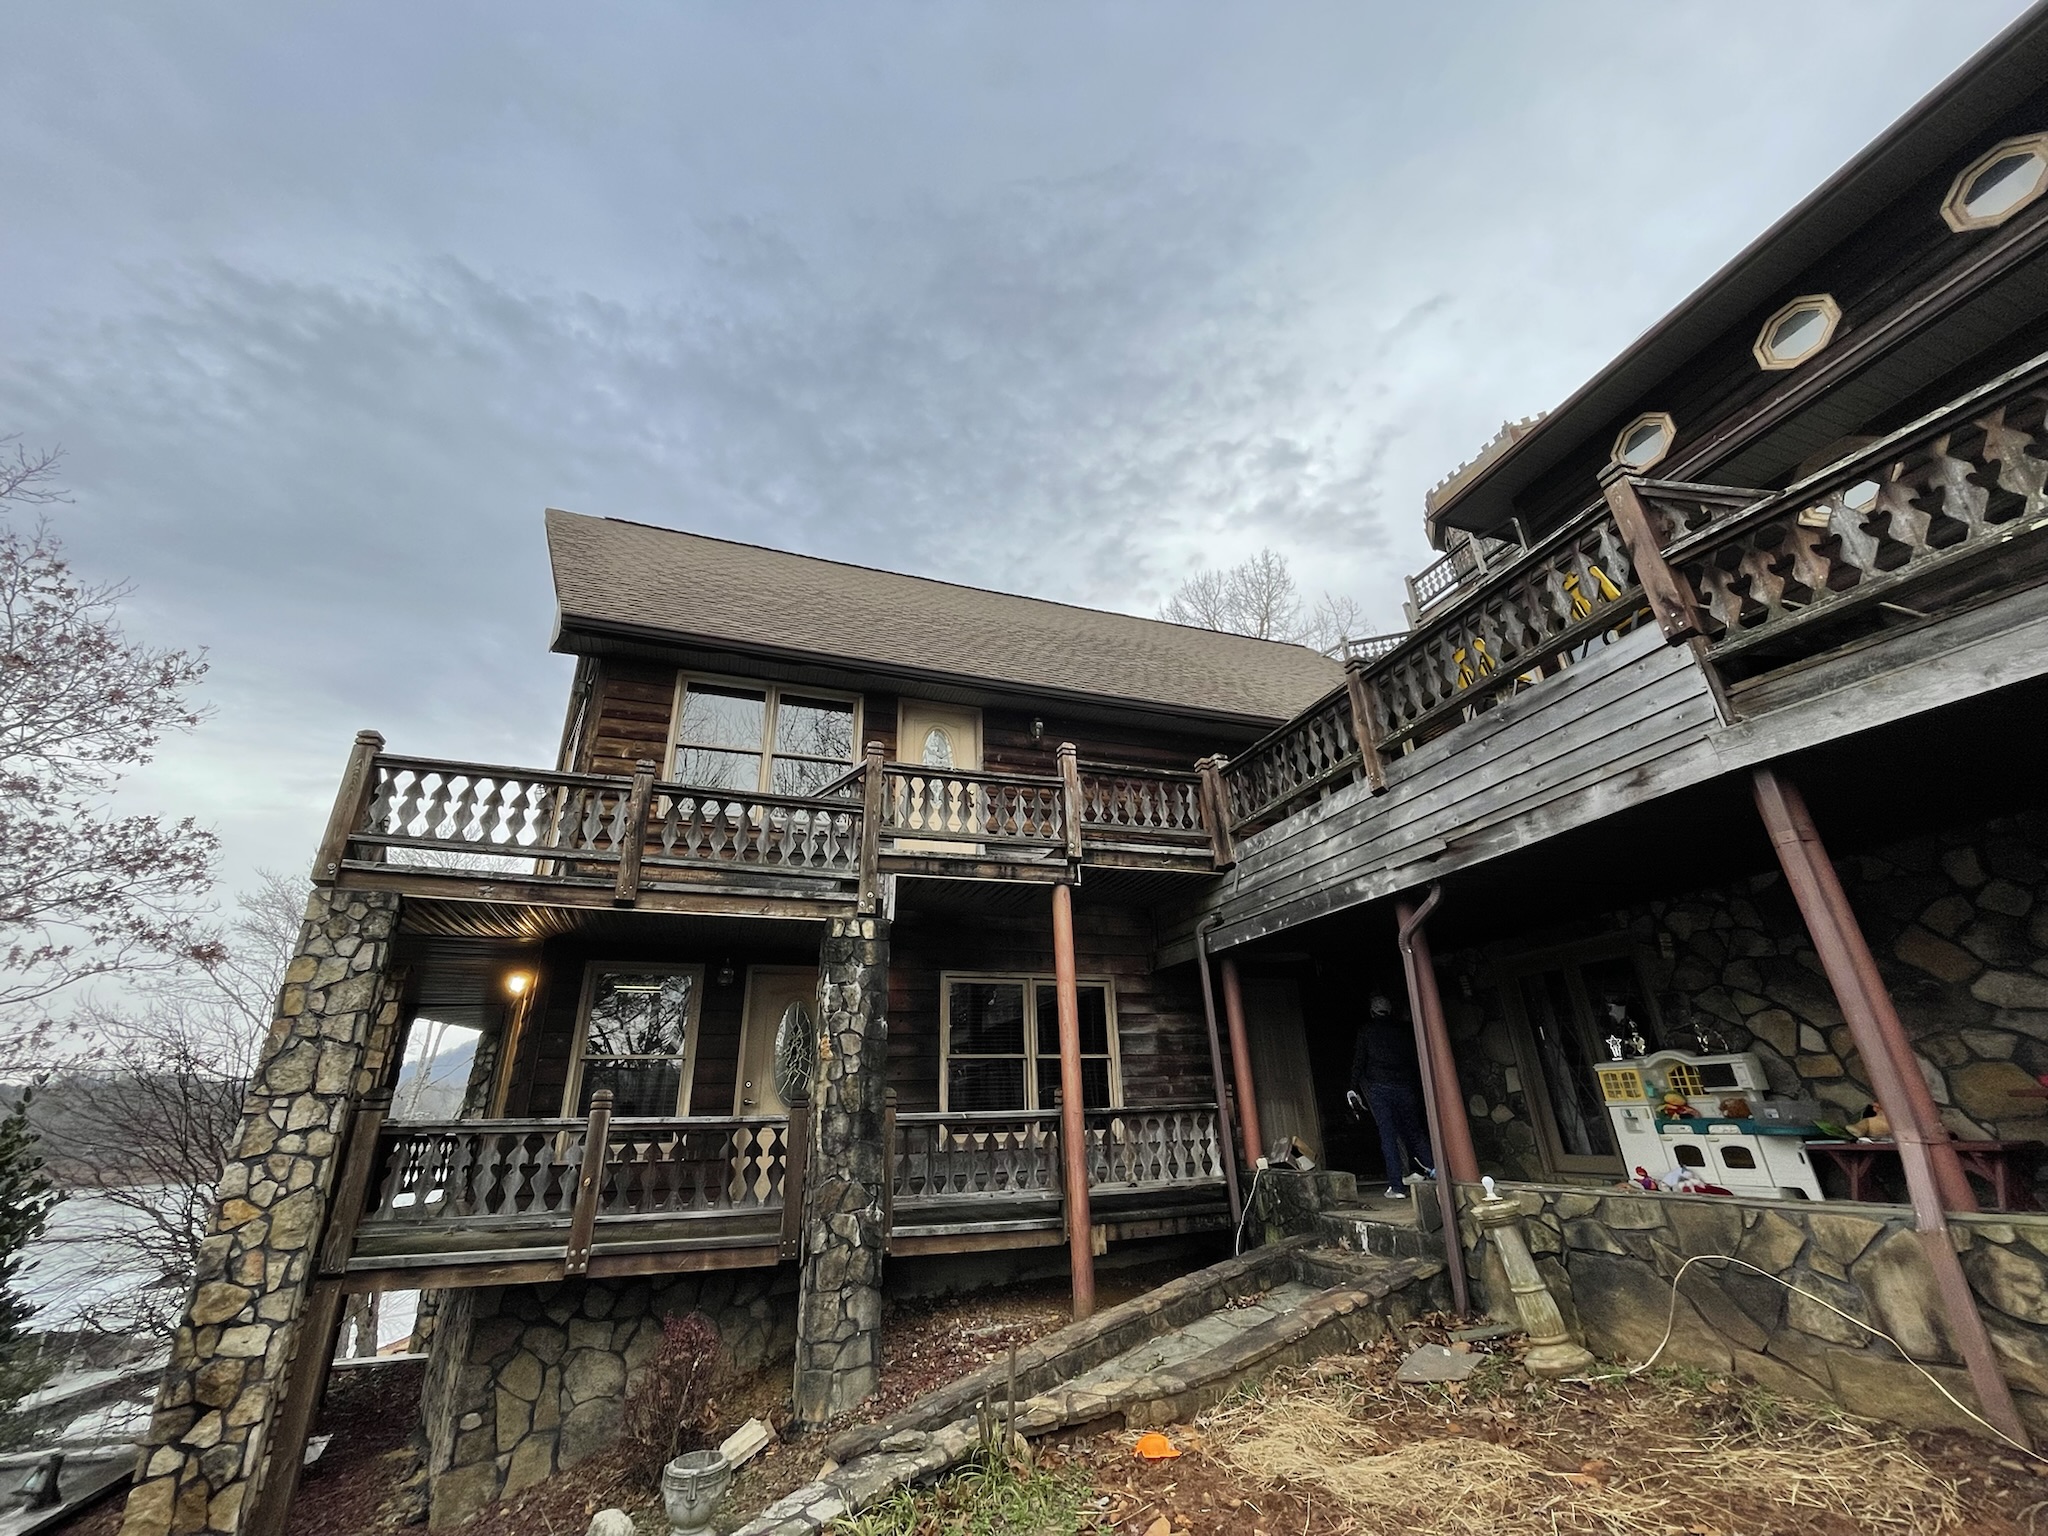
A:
{"x": 670, "y": 1410}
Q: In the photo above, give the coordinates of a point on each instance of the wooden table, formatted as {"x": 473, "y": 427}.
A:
{"x": 2007, "y": 1166}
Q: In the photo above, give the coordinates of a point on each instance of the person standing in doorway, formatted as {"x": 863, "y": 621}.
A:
{"x": 1386, "y": 1079}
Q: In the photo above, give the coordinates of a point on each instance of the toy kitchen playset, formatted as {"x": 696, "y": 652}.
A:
{"x": 1683, "y": 1121}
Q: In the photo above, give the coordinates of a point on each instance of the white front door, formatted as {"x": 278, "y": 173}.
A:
{"x": 939, "y": 736}
{"x": 778, "y": 1035}
{"x": 946, "y": 739}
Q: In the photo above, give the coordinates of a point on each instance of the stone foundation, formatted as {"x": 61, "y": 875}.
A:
{"x": 337, "y": 1027}
{"x": 838, "y": 1351}
{"x": 526, "y": 1380}
{"x": 1609, "y": 1259}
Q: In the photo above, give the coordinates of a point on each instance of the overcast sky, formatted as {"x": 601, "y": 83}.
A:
{"x": 326, "y": 302}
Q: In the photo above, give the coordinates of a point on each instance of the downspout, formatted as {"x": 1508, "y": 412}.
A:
{"x": 1225, "y": 1134}
{"x": 1421, "y": 1004}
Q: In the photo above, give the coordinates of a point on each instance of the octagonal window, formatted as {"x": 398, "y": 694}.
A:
{"x": 1998, "y": 184}
{"x": 1645, "y": 440}
{"x": 1797, "y": 331}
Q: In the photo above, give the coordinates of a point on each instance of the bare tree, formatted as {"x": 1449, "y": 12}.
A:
{"x": 1259, "y": 597}
{"x": 84, "y": 892}
{"x": 143, "y": 1127}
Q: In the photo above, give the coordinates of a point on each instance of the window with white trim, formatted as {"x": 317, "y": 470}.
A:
{"x": 784, "y": 741}
{"x": 638, "y": 1037}
{"x": 1000, "y": 1044}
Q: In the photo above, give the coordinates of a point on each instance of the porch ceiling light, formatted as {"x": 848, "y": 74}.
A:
{"x": 1797, "y": 331}
{"x": 1645, "y": 440}
{"x": 516, "y": 982}
{"x": 1998, "y": 184}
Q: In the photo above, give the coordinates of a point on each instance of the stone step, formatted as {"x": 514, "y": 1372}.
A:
{"x": 1319, "y": 1300}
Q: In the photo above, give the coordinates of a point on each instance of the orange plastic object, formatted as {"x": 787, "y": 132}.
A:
{"x": 1154, "y": 1446}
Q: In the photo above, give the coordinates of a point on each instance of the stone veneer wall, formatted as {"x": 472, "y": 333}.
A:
{"x": 526, "y": 1380}
{"x": 839, "y": 1311}
{"x": 1609, "y": 1258}
{"x": 1959, "y": 924}
{"x": 336, "y": 1030}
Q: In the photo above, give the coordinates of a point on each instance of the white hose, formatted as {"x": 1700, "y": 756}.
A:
{"x": 1671, "y": 1325}
{"x": 1244, "y": 1216}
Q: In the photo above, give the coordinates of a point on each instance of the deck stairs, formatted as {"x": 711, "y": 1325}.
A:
{"x": 1158, "y": 1359}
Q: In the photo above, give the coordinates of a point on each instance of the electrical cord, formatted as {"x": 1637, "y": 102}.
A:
{"x": 1245, "y": 1215}
{"x": 1671, "y": 1326}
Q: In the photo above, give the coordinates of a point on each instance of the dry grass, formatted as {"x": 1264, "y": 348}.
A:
{"x": 1626, "y": 1459}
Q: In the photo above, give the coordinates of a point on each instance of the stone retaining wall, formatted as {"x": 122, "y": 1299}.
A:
{"x": 1609, "y": 1258}
{"x": 526, "y": 1380}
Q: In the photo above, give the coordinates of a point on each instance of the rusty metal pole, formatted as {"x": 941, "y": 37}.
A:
{"x": 1452, "y": 1162}
{"x": 1226, "y": 1152}
{"x": 1241, "y": 1065}
{"x": 1073, "y": 1121}
{"x": 1866, "y": 1006}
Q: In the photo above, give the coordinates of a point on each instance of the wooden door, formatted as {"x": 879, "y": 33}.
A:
{"x": 781, "y": 1006}
{"x": 939, "y": 736}
{"x": 1281, "y": 1075}
{"x": 1557, "y": 1040}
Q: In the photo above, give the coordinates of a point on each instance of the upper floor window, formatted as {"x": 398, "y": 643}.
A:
{"x": 1998, "y": 184}
{"x": 639, "y": 1034}
{"x": 729, "y": 736}
{"x": 1645, "y": 440}
{"x": 1797, "y": 331}
{"x": 1001, "y": 1044}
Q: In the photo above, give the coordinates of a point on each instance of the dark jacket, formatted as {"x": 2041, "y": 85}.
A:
{"x": 1385, "y": 1054}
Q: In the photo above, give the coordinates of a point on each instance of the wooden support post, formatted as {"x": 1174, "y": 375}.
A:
{"x": 1670, "y": 595}
{"x": 352, "y": 1187}
{"x": 297, "y": 1410}
{"x": 1070, "y": 797}
{"x": 1216, "y": 810}
{"x": 1241, "y": 1064}
{"x": 1224, "y": 1138}
{"x": 1934, "y": 1175}
{"x": 872, "y": 786}
{"x": 1364, "y": 728}
{"x": 1450, "y": 1133}
{"x": 796, "y": 1152}
{"x": 888, "y": 1169}
{"x": 1073, "y": 1107}
{"x": 351, "y": 800}
{"x": 627, "y": 890}
{"x": 589, "y": 1183}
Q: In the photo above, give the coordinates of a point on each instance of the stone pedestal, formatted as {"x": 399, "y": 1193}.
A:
{"x": 1552, "y": 1350}
{"x": 337, "y": 1025}
{"x": 839, "y": 1306}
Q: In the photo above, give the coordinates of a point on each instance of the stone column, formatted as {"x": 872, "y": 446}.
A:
{"x": 244, "y": 1327}
{"x": 839, "y": 1302}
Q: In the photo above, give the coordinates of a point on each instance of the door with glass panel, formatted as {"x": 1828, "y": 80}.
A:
{"x": 1559, "y": 1012}
{"x": 749, "y": 738}
{"x": 778, "y": 1038}
{"x": 638, "y": 1039}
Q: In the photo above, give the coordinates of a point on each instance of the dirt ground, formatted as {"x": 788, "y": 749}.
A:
{"x": 1335, "y": 1449}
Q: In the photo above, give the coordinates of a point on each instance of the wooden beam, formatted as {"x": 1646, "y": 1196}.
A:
{"x": 359, "y": 1158}
{"x": 305, "y": 1384}
{"x": 705, "y": 899}
{"x": 1073, "y": 1122}
{"x": 796, "y": 1155}
{"x": 1216, "y": 810}
{"x": 1070, "y": 798}
{"x": 626, "y": 889}
{"x": 889, "y": 1150}
{"x": 1668, "y": 593}
{"x": 351, "y": 800}
{"x": 589, "y": 1183}
{"x": 1364, "y": 726}
{"x": 871, "y": 829}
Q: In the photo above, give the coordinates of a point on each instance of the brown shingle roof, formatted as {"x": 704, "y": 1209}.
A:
{"x": 618, "y": 575}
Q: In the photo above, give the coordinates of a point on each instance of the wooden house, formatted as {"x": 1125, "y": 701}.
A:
{"x": 864, "y": 918}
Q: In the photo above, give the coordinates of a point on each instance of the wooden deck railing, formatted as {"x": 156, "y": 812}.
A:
{"x": 595, "y": 830}
{"x": 1757, "y": 571}
{"x": 982, "y": 1154}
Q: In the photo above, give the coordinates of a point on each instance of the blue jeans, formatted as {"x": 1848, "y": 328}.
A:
{"x": 1397, "y": 1111}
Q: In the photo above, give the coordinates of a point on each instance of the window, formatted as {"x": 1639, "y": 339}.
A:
{"x": 1645, "y": 440}
{"x": 1797, "y": 331}
{"x": 1998, "y": 184}
{"x": 639, "y": 1039}
{"x": 729, "y": 736}
{"x": 1000, "y": 1044}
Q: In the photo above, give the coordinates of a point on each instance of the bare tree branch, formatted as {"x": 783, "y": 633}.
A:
{"x": 1259, "y": 597}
